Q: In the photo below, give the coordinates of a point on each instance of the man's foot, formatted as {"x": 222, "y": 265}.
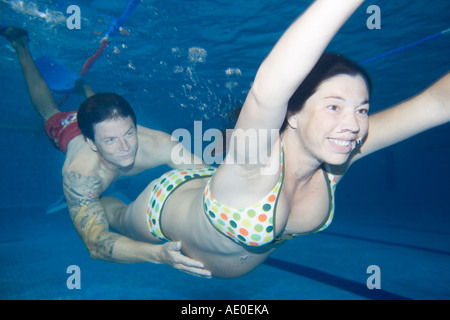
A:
{"x": 82, "y": 88}
{"x": 15, "y": 35}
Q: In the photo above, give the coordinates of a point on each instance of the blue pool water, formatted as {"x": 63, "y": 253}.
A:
{"x": 180, "y": 61}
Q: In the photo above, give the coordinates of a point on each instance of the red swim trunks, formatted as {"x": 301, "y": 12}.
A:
{"x": 61, "y": 128}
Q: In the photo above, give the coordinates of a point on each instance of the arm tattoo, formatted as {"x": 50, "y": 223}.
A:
{"x": 87, "y": 213}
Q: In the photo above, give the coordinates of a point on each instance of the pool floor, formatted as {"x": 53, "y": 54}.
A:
{"x": 413, "y": 260}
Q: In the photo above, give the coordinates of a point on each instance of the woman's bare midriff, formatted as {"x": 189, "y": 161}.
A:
{"x": 200, "y": 240}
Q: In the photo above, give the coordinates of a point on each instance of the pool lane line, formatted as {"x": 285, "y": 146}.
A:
{"x": 354, "y": 287}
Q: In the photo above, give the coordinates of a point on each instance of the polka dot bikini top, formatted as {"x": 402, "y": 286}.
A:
{"x": 254, "y": 226}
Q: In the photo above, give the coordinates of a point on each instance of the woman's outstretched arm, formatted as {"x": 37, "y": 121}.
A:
{"x": 424, "y": 111}
{"x": 291, "y": 60}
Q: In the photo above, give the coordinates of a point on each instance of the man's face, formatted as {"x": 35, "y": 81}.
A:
{"x": 116, "y": 141}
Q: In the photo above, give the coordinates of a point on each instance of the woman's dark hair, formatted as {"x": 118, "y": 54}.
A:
{"x": 101, "y": 107}
{"x": 328, "y": 66}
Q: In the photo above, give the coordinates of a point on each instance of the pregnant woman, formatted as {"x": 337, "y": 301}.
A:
{"x": 231, "y": 218}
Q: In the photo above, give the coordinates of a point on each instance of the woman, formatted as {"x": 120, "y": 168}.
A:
{"x": 320, "y": 103}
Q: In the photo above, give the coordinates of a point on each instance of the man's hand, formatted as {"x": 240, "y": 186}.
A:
{"x": 171, "y": 255}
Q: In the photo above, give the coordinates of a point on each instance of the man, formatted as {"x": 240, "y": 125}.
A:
{"x": 110, "y": 145}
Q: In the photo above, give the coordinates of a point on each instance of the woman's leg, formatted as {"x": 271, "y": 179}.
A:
{"x": 130, "y": 220}
{"x": 114, "y": 209}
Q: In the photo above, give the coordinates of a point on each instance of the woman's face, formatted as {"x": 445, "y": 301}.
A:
{"x": 334, "y": 118}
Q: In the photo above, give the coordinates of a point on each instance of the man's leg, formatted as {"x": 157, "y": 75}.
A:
{"x": 39, "y": 92}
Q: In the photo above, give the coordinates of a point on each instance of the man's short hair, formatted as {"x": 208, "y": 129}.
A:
{"x": 101, "y": 107}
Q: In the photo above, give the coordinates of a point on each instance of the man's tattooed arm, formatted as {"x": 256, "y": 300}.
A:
{"x": 87, "y": 214}
{"x": 90, "y": 219}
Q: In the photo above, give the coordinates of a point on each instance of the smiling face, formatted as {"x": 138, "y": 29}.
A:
{"x": 333, "y": 119}
{"x": 116, "y": 141}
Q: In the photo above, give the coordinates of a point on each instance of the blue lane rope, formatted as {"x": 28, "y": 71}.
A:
{"x": 112, "y": 31}
{"x": 117, "y": 23}
{"x": 405, "y": 47}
